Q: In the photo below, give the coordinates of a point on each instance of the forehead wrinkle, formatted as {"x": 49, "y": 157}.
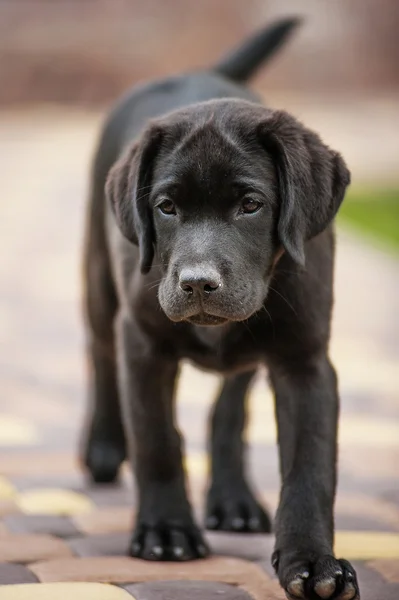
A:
{"x": 205, "y": 145}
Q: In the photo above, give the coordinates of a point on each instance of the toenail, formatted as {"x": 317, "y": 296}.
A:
{"x": 305, "y": 575}
{"x": 202, "y": 551}
{"x": 157, "y": 551}
{"x": 254, "y": 523}
{"x": 136, "y": 548}
{"x": 178, "y": 551}
{"x": 238, "y": 523}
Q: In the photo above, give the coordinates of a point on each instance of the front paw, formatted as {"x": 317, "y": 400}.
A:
{"x": 323, "y": 578}
{"x": 168, "y": 541}
{"x": 234, "y": 508}
{"x": 104, "y": 453}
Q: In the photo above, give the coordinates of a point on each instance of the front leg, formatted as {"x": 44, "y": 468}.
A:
{"x": 307, "y": 415}
{"x": 165, "y": 529}
{"x": 231, "y": 503}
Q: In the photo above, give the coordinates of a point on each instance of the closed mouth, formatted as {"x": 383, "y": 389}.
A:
{"x": 207, "y": 320}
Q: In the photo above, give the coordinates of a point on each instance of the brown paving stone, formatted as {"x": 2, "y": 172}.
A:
{"x": 389, "y": 569}
{"x": 30, "y": 548}
{"x": 12, "y": 574}
{"x": 183, "y": 590}
{"x": 35, "y": 462}
{"x": 116, "y": 519}
{"x": 48, "y": 524}
{"x": 111, "y": 544}
{"x": 8, "y": 507}
{"x": 128, "y": 570}
{"x": 372, "y": 510}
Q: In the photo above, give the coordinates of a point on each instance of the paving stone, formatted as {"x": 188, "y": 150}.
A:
{"x": 64, "y": 591}
{"x": 30, "y": 548}
{"x": 11, "y": 574}
{"x": 7, "y": 490}
{"x": 355, "y": 506}
{"x": 183, "y": 590}
{"x": 36, "y": 462}
{"x": 116, "y": 519}
{"x": 111, "y": 495}
{"x": 53, "y": 502}
{"x": 361, "y": 523}
{"x": 373, "y": 586}
{"x": 48, "y": 524}
{"x": 18, "y": 432}
{"x": 366, "y": 545}
{"x": 128, "y": 570}
{"x": 389, "y": 569}
{"x": 8, "y": 507}
{"x": 253, "y": 547}
{"x": 112, "y": 544}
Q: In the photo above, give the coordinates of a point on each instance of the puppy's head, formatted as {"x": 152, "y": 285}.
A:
{"x": 217, "y": 192}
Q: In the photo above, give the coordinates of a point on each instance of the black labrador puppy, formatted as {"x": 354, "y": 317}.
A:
{"x": 209, "y": 239}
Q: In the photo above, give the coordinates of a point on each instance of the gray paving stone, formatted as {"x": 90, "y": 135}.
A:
{"x": 183, "y": 590}
{"x": 14, "y": 574}
{"x": 58, "y": 526}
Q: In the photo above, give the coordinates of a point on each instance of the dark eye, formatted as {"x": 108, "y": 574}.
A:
{"x": 167, "y": 207}
{"x": 250, "y": 206}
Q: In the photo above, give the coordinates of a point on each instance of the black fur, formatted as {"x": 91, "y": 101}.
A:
{"x": 214, "y": 243}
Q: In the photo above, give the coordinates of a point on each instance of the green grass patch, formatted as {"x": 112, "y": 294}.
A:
{"x": 374, "y": 212}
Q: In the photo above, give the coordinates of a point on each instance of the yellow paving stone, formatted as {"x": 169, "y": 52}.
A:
{"x": 15, "y": 431}
{"x": 366, "y": 545}
{"x": 7, "y": 490}
{"x": 54, "y": 502}
{"x": 64, "y": 591}
{"x": 197, "y": 463}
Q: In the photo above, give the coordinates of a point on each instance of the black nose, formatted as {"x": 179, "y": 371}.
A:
{"x": 203, "y": 281}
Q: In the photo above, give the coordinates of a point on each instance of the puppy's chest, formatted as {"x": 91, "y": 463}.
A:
{"x": 224, "y": 350}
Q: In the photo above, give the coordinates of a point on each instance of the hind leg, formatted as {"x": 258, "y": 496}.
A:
{"x": 104, "y": 447}
{"x": 231, "y": 504}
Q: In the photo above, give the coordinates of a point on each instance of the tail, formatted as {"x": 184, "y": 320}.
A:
{"x": 242, "y": 62}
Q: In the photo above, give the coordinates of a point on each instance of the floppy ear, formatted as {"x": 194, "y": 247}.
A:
{"x": 312, "y": 181}
{"x": 128, "y": 188}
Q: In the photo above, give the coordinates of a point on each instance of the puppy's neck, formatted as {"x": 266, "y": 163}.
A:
{"x": 211, "y": 336}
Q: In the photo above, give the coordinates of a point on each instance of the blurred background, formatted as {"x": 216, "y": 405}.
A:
{"x": 62, "y": 64}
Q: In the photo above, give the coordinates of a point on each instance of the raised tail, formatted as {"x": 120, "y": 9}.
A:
{"x": 240, "y": 64}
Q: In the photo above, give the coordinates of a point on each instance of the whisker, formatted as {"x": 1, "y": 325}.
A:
{"x": 283, "y": 298}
